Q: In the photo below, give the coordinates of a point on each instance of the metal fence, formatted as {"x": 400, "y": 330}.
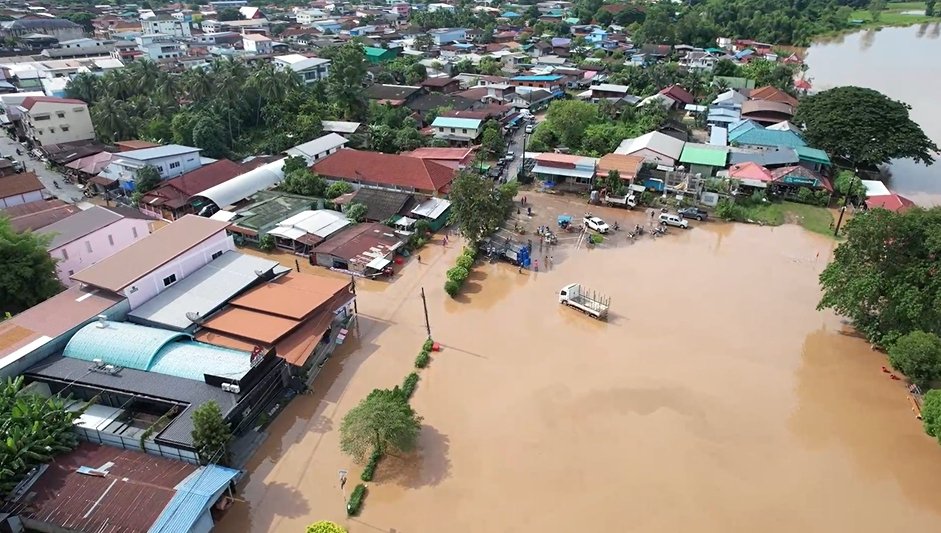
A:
{"x": 151, "y": 447}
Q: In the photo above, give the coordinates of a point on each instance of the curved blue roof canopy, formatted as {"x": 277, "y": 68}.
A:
{"x": 120, "y": 343}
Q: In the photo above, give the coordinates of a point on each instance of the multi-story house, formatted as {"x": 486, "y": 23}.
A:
{"x": 167, "y": 25}
{"x": 310, "y": 69}
{"x": 257, "y": 43}
{"x": 81, "y": 240}
{"x": 158, "y": 46}
{"x": 457, "y": 131}
{"x": 170, "y": 161}
{"x": 50, "y": 120}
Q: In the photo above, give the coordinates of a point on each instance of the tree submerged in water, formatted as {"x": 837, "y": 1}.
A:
{"x": 863, "y": 126}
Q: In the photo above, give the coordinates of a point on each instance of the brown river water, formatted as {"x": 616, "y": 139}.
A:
{"x": 715, "y": 399}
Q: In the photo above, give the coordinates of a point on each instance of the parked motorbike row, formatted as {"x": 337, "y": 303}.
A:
{"x": 639, "y": 231}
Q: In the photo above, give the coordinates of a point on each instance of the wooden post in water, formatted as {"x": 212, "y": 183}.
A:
{"x": 424, "y": 303}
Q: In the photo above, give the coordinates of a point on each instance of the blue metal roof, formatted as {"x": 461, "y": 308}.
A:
{"x": 120, "y": 343}
{"x": 194, "y": 496}
{"x": 547, "y": 77}
{"x": 453, "y": 122}
{"x": 813, "y": 154}
{"x": 765, "y": 137}
{"x": 510, "y": 14}
{"x": 155, "y": 350}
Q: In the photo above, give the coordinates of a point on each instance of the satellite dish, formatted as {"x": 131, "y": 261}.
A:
{"x": 261, "y": 273}
{"x": 193, "y": 317}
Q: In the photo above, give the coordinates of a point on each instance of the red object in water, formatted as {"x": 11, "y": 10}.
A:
{"x": 894, "y": 377}
{"x": 399, "y": 260}
{"x": 436, "y": 347}
{"x": 886, "y": 370}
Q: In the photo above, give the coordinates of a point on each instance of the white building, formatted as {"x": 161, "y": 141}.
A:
{"x": 308, "y": 16}
{"x": 50, "y": 120}
{"x": 443, "y": 36}
{"x": 257, "y": 44}
{"x": 159, "y": 46}
{"x": 171, "y": 161}
{"x": 460, "y": 131}
{"x": 319, "y": 148}
{"x": 167, "y": 25}
{"x": 310, "y": 69}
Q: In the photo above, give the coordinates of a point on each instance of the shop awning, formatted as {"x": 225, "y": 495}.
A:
{"x": 378, "y": 263}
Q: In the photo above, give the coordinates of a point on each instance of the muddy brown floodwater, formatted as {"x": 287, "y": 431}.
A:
{"x": 715, "y": 399}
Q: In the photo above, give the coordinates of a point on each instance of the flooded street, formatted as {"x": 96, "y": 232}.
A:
{"x": 715, "y": 399}
{"x": 902, "y": 63}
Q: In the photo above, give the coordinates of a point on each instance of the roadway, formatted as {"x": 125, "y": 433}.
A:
{"x": 66, "y": 192}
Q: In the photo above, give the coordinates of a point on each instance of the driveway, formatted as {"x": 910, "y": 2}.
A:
{"x": 66, "y": 191}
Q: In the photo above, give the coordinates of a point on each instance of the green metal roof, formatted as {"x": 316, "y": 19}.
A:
{"x": 701, "y": 154}
{"x": 377, "y": 52}
{"x": 813, "y": 154}
{"x": 270, "y": 207}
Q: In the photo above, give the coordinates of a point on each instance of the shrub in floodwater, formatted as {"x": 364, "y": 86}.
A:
{"x": 423, "y": 359}
{"x": 918, "y": 356}
{"x": 465, "y": 262}
{"x": 428, "y": 345}
{"x": 458, "y": 274}
{"x": 370, "y": 469}
{"x": 356, "y": 500}
{"x": 408, "y": 386}
{"x": 452, "y": 287}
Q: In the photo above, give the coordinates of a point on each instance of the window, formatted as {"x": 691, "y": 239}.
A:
{"x": 134, "y": 232}
{"x": 65, "y": 254}
{"x": 160, "y": 168}
{"x": 169, "y": 280}
{"x": 41, "y": 117}
{"x": 60, "y": 114}
{"x": 464, "y": 130}
{"x": 64, "y": 128}
{"x": 52, "y": 130}
{"x": 217, "y": 254}
{"x": 175, "y": 164}
{"x": 71, "y": 272}
{"x": 453, "y": 130}
{"x": 110, "y": 240}
{"x": 88, "y": 246}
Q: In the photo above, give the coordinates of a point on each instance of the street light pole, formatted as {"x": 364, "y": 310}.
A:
{"x": 424, "y": 303}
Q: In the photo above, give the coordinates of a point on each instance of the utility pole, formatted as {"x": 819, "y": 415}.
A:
{"x": 840, "y": 221}
{"x": 424, "y": 303}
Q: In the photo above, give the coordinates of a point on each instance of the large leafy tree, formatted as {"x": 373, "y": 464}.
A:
{"x": 477, "y": 208}
{"x": 931, "y": 413}
{"x": 304, "y": 182}
{"x": 27, "y": 272}
{"x": 570, "y": 118}
{"x": 211, "y": 434}
{"x": 383, "y": 422}
{"x": 918, "y": 356}
{"x": 864, "y": 126}
{"x": 886, "y": 276}
{"x": 345, "y": 85}
{"x": 325, "y": 526}
{"x": 146, "y": 179}
{"x": 35, "y": 429}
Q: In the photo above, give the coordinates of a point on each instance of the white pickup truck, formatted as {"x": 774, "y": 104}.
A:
{"x": 588, "y": 302}
{"x": 627, "y": 201}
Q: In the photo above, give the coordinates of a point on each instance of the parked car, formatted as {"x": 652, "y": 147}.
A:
{"x": 508, "y": 157}
{"x": 595, "y": 223}
{"x": 530, "y": 128}
{"x": 693, "y": 212}
{"x": 669, "y": 219}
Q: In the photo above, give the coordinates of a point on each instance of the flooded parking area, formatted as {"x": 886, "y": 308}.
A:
{"x": 714, "y": 399}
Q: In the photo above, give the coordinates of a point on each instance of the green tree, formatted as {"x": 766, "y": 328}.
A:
{"x": 876, "y": 7}
{"x": 491, "y": 140}
{"x": 294, "y": 162}
{"x": 325, "y": 526}
{"x": 208, "y": 135}
{"x": 27, "y": 272}
{"x": 725, "y": 67}
{"x": 82, "y": 18}
{"x": 383, "y": 422}
{"x": 929, "y": 7}
{"x": 490, "y": 66}
{"x": 848, "y": 184}
{"x": 570, "y": 118}
{"x": 476, "y": 207}
{"x": 304, "y": 182}
{"x": 658, "y": 26}
{"x": 614, "y": 184}
{"x": 917, "y": 355}
{"x": 345, "y": 84}
{"x": 337, "y": 189}
{"x": 356, "y": 212}
{"x": 884, "y": 277}
{"x": 211, "y": 434}
{"x": 146, "y": 179}
{"x": 931, "y": 413}
{"x": 226, "y": 15}
{"x": 864, "y": 126}
{"x": 771, "y": 73}
{"x": 35, "y": 429}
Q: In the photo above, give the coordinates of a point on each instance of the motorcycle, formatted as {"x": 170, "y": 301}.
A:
{"x": 616, "y": 227}
{"x": 56, "y": 183}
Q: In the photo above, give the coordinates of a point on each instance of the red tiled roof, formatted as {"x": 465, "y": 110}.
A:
{"x": 772, "y": 94}
{"x": 130, "y": 497}
{"x": 30, "y": 101}
{"x": 801, "y": 172}
{"x": 19, "y": 184}
{"x": 176, "y": 192}
{"x": 34, "y": 215}
{"x": 892, "y": 202}
{"x": 678, "y": 93}
{"x": 752, "y": 171}
{"x": 385, "y": 169}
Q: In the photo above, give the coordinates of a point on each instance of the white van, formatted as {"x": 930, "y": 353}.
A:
{"x": 670, "y": 219}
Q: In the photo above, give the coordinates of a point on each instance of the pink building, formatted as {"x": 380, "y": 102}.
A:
{"x": 87, "y": 237}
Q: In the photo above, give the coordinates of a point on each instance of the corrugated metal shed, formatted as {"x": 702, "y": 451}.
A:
{"x": 194, "y": 496}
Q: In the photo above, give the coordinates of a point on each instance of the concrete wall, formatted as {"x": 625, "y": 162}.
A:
{"x": 105, "y": 242}
{"x": 152, "y": 284}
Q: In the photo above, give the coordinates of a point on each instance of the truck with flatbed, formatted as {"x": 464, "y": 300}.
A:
{"x": 627, "y": 201}
{"x": 575, "y": 295}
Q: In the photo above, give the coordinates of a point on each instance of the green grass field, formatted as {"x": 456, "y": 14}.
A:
{"x": 812, "y": 218}
{"x": 893, "y": 15}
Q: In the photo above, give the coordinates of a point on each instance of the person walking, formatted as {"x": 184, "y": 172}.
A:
{"x": 536, "y": 265}
{"x": 419, "y": 259}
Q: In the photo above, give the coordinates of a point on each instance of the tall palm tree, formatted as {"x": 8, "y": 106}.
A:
{"x": 84, "y": 87}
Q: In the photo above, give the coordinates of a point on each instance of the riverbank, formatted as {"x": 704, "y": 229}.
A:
{"x": 895, "y": 15}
